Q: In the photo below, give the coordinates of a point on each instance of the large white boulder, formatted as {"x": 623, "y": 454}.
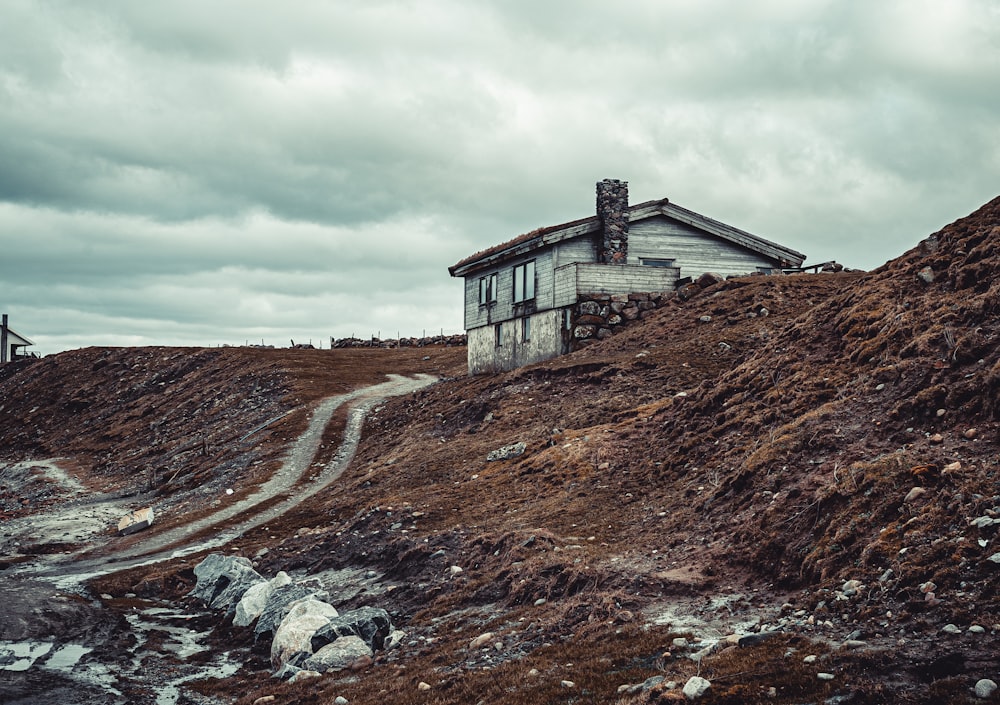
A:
{"x": 254, "y": 599}
{"x": 292, "y": 642}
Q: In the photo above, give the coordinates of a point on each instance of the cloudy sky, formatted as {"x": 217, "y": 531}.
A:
{"x": 207, "y": 172}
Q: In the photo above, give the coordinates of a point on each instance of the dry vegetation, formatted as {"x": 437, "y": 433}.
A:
{"x": 762, "y": 458}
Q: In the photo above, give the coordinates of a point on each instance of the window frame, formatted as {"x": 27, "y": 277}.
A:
{"x": 524, "y": 282}
{"x": 488, "y": 289}
{"x": 498, "y": 335}
{"x": 526, "y": 329}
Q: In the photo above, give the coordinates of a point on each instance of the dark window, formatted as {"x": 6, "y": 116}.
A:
{"x": 497, "y": 335}
{"x": 488, "y": 289}
{"x": 524, "y": 282}
{"x": 526, "y": 330}
{"x": 656, "y": 262}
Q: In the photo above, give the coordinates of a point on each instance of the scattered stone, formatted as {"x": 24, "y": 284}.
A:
{"x": 680, "y": 642}
{"x": 825, "y": 676}
{"x": 709, "y": 279}
{"x": 951, "y": 468}
{"x": 851, "y": 587}
{"x": 696, "y": 687}
{"x": 303, "y": 675}
{"x": 914, "y": 494}
{"x": 971, "y": 433}
{"x": 995, "y": 558}
{"x": 854, "y": 644}
{"x": 977, "y": 629}
{"x": 423, "y": 686}
{"x": 340, "y": 700}
{"x": 481, "y": 640}
{"x": 223, "y": 580}
{"x": 985, "y": 688}
{"x": 936, "y": 439}
{"x": 646, "y": 685}
{"x": 394, "y": 639}
{"x": 754, "y": 639}
{"x": 567, "y": 684}
{"x": 811, "y": 658}
{"x": 507, "y": 452}
{"x": 455, "y": 570}
{"x": 926, "y": 275}
{"x": 540, "y": 601}
{"x": 705, "y": 319}
{"x": 951, "y": 629}
{"x": 264, "y": 700}
{"x": 533, "y": 672}
{"x": 928, "y": 587}
{"x": 135, "y": 521}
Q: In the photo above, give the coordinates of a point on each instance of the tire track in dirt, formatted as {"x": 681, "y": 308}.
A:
{"x": 69, "y": 571}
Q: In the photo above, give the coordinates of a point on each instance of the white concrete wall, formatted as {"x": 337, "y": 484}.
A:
{"x": 545, "y": 343}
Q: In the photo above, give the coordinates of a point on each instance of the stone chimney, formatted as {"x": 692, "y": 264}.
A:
{"x": 612, "y": 209}
{"x": 3, "y": 339}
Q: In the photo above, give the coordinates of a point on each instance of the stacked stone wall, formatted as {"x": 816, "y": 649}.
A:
{"x": 457, "y": 340}
{"x": 599, "y": 316}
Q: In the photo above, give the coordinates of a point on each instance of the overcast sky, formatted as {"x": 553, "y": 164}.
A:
{"x": 207, "y": 172}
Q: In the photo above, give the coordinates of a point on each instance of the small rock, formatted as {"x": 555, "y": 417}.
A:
{"x": 533, "y": 672}
{"x": 995, "y": 558}
{"x": 914, "y": 494}
{"x": 971, "y": 433}
{"x": 567, "y": 684}
{"x": 481, "y": 640}
{"x": 854, "y": 644}
{"x": 811, "y": 658}
{"x": 680, "y": 642}
{"x": 705, "y": 319}
{"x": 455, "y": 570}
{"x": 264, "y": 700}
{"x": 540, "y": 601}
{"x": 951, "y": 629}
{"x": 926, "y": 275}
{"x": 985, "y": 688}
{"x": 851, "y": 587}
{"x": 928, "y": 587}
{"x": 977, "y": 629}
{"x": 696, "y": 687}
{"x": 952, "y": 468}
{"x": 941, "y": 412}
{"x": 936, "y": 439}
{"x": 507, "y": 452}
{"x": 303, "y": 675}
{"x": 423, "y": 686}
{"x": 340, "y": 700}
{"x": 825, "y": 676}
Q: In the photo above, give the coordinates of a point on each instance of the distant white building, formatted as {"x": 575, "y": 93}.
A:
{"x": 523, "y": 298}
{"x": 10, "y": 342}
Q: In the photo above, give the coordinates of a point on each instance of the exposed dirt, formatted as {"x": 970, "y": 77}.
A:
{"x": 682, "y": 477}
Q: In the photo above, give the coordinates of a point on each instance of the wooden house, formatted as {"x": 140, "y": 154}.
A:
{"x": 523, "y": 297}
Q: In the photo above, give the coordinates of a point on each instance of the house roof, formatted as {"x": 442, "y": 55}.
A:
{"x": 15, "y": 339}
{"x": 552, "y": 234}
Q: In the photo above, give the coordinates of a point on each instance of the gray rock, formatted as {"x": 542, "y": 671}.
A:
{"x": 277, "y": 605}
{"x": 926, "y": 275}
{"x": 292, "y": 642}
{"x": 696, "y": 687}
{"x": 995, "y": 558}
{"x": 507, "y": 452}
{"x": 339, "y": 654}
{"x": 647, "y": 684}
{"x": 371, "y": 624}
{"x": 223, "y": 580}
{"x": 303, "y": 675}
{"x": 985, "y": 688}
{"x": 709, "y": 279}
{"x": 252, "y": 604}
{"x": 951, "y": 629}
{"x": 755, "y": 639}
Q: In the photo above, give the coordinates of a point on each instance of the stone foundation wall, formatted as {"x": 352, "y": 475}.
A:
{"x": 599, "y": 316}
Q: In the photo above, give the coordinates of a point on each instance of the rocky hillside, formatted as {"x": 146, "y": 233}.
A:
{"x": 809, "y": 460}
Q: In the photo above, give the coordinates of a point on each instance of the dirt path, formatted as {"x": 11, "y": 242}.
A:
{"x": 68, "y": 571}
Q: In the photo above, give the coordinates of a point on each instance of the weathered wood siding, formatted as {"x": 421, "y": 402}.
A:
{"x": 695, "y": 252}
{"x": 504, "y": 308}
{"x": 590, "y": 278}
{"x": 545, "y": 342}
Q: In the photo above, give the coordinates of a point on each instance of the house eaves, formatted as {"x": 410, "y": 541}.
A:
{"x": 536, "y": 239}
{"x": 15, "y": 339}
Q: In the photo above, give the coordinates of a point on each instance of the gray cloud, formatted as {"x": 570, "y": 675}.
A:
{"x": 198, "y": 173}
